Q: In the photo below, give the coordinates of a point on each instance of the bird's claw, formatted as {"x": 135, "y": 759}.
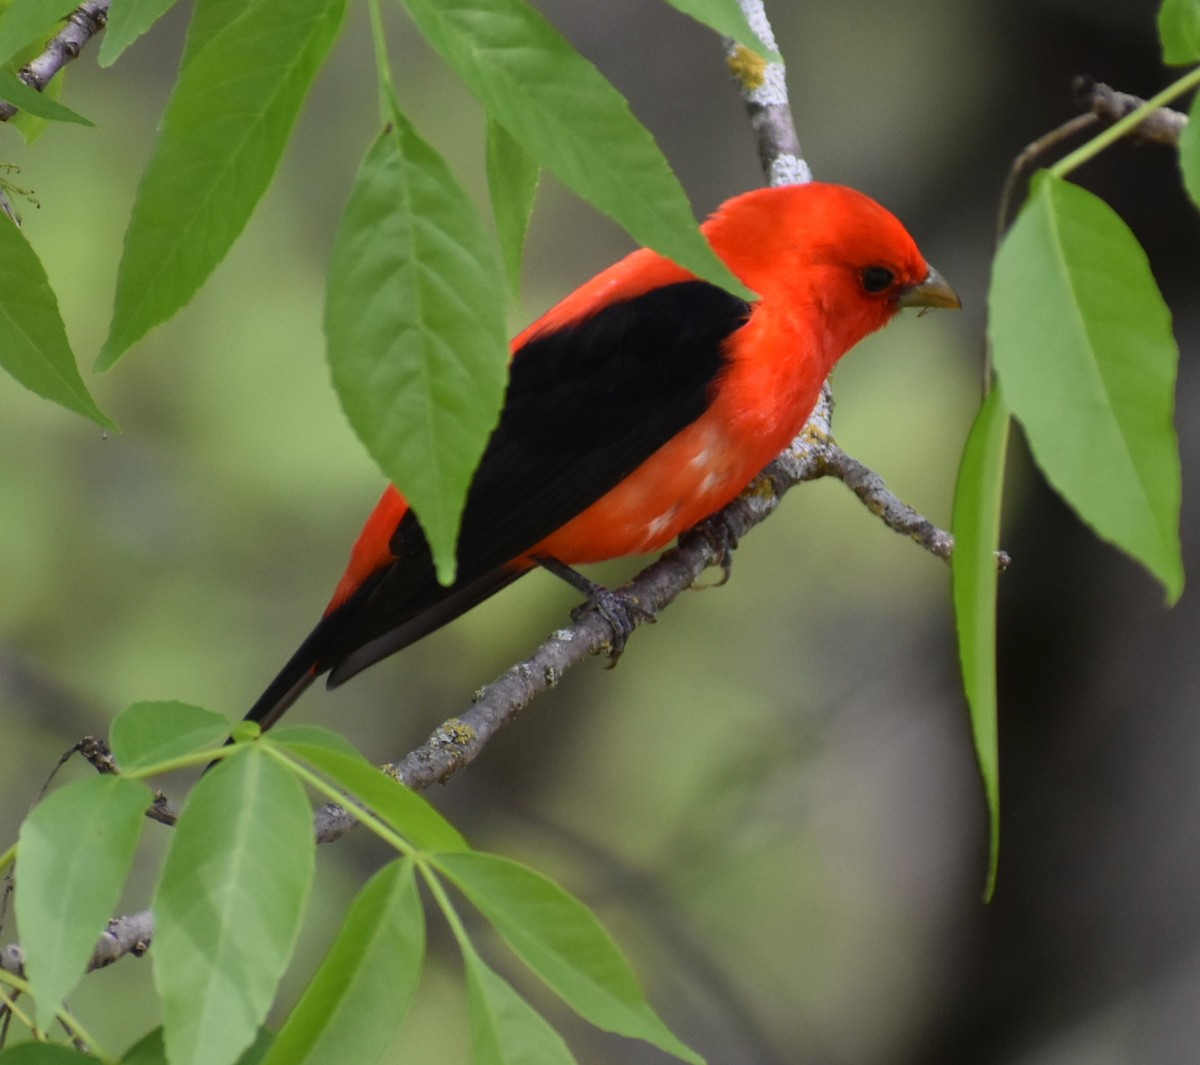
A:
{"x": 622, "y": 614}
{"x": 722, "y": 540}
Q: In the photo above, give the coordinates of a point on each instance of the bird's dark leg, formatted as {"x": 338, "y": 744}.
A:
{"x": 723, "y": 540}
{"x": 622, "y": 614}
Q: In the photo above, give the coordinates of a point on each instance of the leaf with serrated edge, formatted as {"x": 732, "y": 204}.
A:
{"x": 560, "y": 939}
{"x": 359, "y": 995}
{"x": 569, "y": 118}
{"x": 75, "y": 849}
{"x": 416, "y": 329}
{"x": 33, "y": 340}
{"x": 977, "y": 500}
{"x": 228, "y": 906}
{"x": 223, "y": 134}
{"x": 1083, "y": 346}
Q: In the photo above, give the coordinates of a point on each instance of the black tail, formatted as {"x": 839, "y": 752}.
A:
{"x": 312, "y": 658}
{"x": 368, "y": 627}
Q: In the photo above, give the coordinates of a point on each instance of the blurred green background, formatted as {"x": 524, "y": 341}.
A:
{"x": 772, "y": 801}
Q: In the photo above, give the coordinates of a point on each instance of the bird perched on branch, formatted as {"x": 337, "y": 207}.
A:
{"x": 642, "y": 403}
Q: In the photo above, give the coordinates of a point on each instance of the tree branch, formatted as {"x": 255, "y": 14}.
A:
{"x": 763, "y": 86}
{"x": 458, "y": 741}
{"x": 82, "y": 24}
{"x": 813, "y": 454}
{"x": 124, "y": 935}
{"x": 1161, "y": 126}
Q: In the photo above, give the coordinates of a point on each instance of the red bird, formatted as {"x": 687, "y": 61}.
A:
{"x": 639, "y": 405}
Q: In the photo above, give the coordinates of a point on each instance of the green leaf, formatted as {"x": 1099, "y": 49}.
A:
{"x": 228, "y": 907}
{"x": 209, "y": 17}
{"x": 974, "y": 569}
{"x": 403, "y": 810}
{"x": 17, "y": 93}
{"x": 150, "y": 1050}
{"x": 75, "y": 850}
{"x": 149, "y": 733}
{"x": 44, "y": 1054}
{"x": 30, "y": 126}
{"x": 127, "y": 21}
{"x": 728, "y": 19}
{"x": 223, "y": 134}
{"x": 299, "y": 738}
{"x": 570, "y": 119}
{"x": 1179, "y": 31}
{"x": 415, "y": 322}
{"x": 359, "y": 995}
{"x": 33, "y": 339}
{"x": 26, "y": 22}
{"x": 1189, "y": 152}
{"x": 1083, "y": 345}
{"x": 505, "y": 1029}
{"x": 560, "y": 939}
{"x": 512, "y": 184}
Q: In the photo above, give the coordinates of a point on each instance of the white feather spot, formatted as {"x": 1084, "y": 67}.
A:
{"x": 657, "y": 525}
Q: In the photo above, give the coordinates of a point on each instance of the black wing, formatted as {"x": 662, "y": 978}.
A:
{"x": 586, "y": 405}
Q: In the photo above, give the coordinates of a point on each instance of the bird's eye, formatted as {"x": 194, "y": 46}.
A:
{"x": 876, "y": 279}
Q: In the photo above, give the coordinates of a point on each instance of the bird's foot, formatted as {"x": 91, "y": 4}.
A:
{"x": 622, "y": 614}
{"x": 722, "y": 540}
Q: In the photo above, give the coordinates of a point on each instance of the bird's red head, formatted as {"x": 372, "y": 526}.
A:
{"x": 826, "y": 249}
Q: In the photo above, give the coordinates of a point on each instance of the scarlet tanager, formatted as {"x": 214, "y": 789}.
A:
{"x": 639, "y": 405}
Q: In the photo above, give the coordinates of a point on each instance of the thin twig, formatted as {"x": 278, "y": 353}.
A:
{"x": 1164, "y": 125}
{"x": 82, "y": 24}
{"x": 123, "y": 935}
{"x": 879, "y": 500}
{"x": 763, "y": 86}
{"x": 1020, "y": 165}
{"x": 1101, "y": 105}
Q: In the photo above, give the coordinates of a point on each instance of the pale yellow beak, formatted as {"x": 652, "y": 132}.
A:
{"x": 932, "y": 292}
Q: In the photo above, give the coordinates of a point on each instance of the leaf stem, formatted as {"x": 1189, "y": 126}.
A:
{"x": 361, "y": 813}
{"x": 73, "y": 1027}
{"x": 9, "y": 1002}
{"x": 387, "y": 90}
{"x": 438, "y": 890}
{"x": 1118, "y": 129}
{"x": 81, "y": 1035}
